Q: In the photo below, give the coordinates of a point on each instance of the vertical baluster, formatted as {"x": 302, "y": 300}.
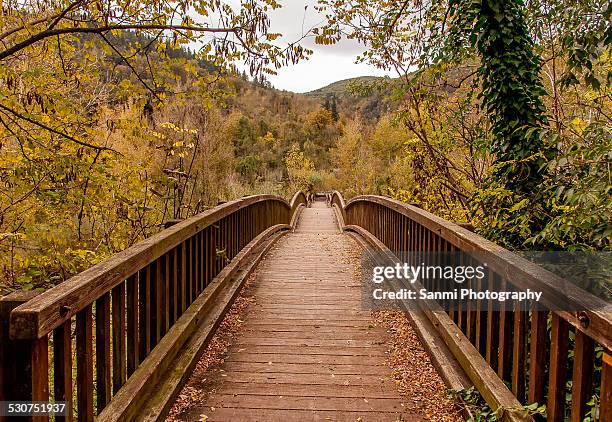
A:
{"x": 132, "y": 324}
{"x": 201, "y": 262}
{"x": 235, "y": 223}
{"x": 518, "y": 353}
{"x": 460, "y": 307}
{"x": 144, "y": 314}
{"x": 440, "y": 283}
{"x": 240, "y": 229}
{"x": 226, "y": 234}
{"x": 196, "y": 267}
{"x": 191, "y": 270}
{"x": 558, "y": 367}
{"x": 183, "y": 277}
{"x": 215, "y": 233}
{"x": 492, "y": 324}
{"x": 62, "y": 371}
{"x": 206, "y": 255}
{"x": 119, "y": 350}
{"x": 169, "y": 291}
{"x": 483, "y": 317}
{"x": 176, "y": 285}
{"x": 470, "y": 314}
{"x": 152, "y": 305}
{"x": 160, "y": 299}
{"x": 504, "y": 358}
{"x": 582, "y": 379}
{"x": 478, "y": 333}
{"x": 84, "y": 358}
{"x": 453, "y": 303}
{"x": 30, "y": 371}
{"x": 103, "y": 353}
{"x": 537, "y": 355}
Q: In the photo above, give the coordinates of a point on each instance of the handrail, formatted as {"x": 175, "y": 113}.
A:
{"x": 299, "y": 198}
{"x": 336, "y": 201}
{"x": 504, "y": 336}
{"x": 141, "y": 293}
{"x": 519, "y": 271}
{"x": 49, "y": 310}
{"x": 336, "y": 198}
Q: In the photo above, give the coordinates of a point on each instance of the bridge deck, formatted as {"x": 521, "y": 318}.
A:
{"x": 307, "y": 351}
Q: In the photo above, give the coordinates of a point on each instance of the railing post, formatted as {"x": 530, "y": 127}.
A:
{"x": 24, "y": 364}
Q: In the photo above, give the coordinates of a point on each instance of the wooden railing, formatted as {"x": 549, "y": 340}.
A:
{"x": 113, "y": 316}
{"x": 529, "y": 348}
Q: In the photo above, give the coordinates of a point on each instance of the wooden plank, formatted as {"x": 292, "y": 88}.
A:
{"x": 307, "y": 368}
{"x": 84, "y": 357}
{"x": 582, "y": 379}
{"x": 557, "y": 369}
{"x": 301, "y": 390}
{"x": 286, "y": 415}
{"x": 39, "y": 316}
{"x": 322, "y": 359}
{"x": 119, "y": 337}
{"x": 103, "y": 352}
{"x": 255, "y": 401}
{"x": 62, "y": 370}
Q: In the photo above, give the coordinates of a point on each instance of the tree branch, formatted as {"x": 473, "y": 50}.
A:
{"x": 398, "y": 15}
{"x": 22, "y": 27}
{"x": 52, "y": 130}
{"x": 92, "y": 30}
{"x": 151, "y": 90}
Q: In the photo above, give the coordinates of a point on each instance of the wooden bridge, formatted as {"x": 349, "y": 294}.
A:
{"x": 119, "y": 341}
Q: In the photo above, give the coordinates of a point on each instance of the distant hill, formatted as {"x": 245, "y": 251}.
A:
{"x": 367, "y": 106}
{"x": 340, "y": 88}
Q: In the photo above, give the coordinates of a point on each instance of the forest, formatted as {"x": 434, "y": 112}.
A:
{"x": 126, "y": 125}
{"x": 113, "y": 123}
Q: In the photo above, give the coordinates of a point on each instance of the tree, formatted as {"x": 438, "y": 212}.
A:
{"x": 511, "y": 86}
{"x": 331, "y": 105}
{"x": 440, "y": 46}
{"x": 66, "y": 30}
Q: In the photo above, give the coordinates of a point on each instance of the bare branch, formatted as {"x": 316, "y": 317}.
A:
{"x": 127, "y": 62}
{"x": 398, "y": 15}
{"x": 102, "y": 29}
{"x": 52, "y": 130}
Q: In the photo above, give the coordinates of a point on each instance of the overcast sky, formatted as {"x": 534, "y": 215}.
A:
{"x": 328, "y": 63}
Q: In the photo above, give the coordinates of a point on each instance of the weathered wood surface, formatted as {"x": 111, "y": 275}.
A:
{"x": 308, "y": 351}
